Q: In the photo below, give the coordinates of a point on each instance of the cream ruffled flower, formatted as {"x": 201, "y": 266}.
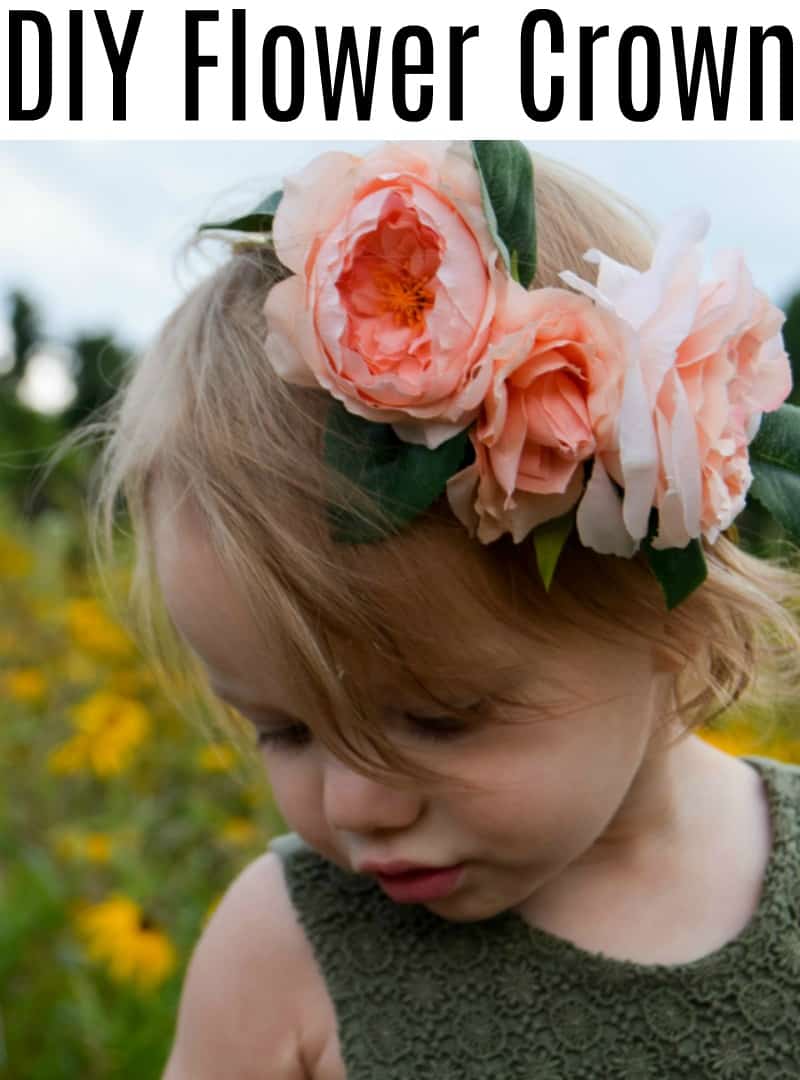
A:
{"x": 703, "y": 364}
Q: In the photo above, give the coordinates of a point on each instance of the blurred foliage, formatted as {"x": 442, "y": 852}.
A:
{"x": 121, "y": 822}
{"x": 26, "y": 331}
{"x": 100, "y": 366}
{"x": 26, "y": 435}
{"x": 791, "y": 338}
{"x": 121, "y": 825}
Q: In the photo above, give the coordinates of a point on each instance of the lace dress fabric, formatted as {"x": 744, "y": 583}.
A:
{"x": 419, "y": 998}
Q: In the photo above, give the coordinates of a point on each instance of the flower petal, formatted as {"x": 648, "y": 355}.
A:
{"x": 313, "y": 199}
{"x": 638, "y": 450}
{"x": 290, "y": 343}
{"x": 686, "y": 459}
{"x": 600, "y": 522}
{"x": 461, "y": 489}
{"x": 534, "y": 509}
{"x": 430, "y": 433}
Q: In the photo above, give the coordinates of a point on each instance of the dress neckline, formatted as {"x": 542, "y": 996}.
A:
{"x": 785, "y": 851}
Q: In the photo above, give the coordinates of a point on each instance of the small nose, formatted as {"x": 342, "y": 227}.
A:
{"x": 354, "y": 802}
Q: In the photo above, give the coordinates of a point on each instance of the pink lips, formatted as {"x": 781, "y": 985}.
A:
{"x": 399, "y": 866}
{"x": 421, "y": 884}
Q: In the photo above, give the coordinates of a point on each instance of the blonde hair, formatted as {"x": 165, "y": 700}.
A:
{"x": 204, "y": 409}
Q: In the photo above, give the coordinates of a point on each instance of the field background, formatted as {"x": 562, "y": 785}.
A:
{"x": 122, "y": 820}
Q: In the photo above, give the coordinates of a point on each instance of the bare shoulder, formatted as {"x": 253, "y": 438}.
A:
{"x": 253, "y": 1003}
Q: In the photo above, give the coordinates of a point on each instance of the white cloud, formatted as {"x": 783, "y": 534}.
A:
{"x": 72, "y": 259}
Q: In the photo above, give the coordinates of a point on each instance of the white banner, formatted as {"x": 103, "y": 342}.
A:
{"x": 354, "y": 70}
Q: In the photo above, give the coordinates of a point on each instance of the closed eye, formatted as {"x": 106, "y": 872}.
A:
{"x": 438, "y": 727}
{"x": 294, "y": 737}
{"x": 291, "y": 737}
{"x": 434, "y": 728}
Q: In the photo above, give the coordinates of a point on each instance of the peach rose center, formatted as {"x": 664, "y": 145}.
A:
{"x": 557, "y": 430}
{"x": 388, "y": 283}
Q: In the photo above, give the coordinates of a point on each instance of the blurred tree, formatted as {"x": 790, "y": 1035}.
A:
{"x": 791, "y": 338}
{"x": 22, "y": 430}
{"x": 29, "y": 437}
{"x": 100, "y": 363}
{"x": 26, "y": 332}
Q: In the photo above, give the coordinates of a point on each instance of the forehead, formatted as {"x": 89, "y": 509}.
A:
{"x": 204, "y": 604}
{"x": 213, "y": 617}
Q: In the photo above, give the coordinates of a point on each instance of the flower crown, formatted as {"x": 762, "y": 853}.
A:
{"x": 629, "y": 410}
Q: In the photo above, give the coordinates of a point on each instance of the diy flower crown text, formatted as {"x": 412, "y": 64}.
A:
{"x": 418, "y": 70}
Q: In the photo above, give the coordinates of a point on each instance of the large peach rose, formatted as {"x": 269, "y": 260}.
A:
{"x": 393, "y": 293}
{"x": 557, "y": 372}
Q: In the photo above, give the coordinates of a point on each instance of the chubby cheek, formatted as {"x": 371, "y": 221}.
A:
{"x": 525, "y": 828}
{"x": 296, "y": 791}
{"x": 543, "y": 821}
{"x": 296, "y": 786}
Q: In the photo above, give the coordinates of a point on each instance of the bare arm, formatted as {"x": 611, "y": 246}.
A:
{"x": 240, "y": 1009}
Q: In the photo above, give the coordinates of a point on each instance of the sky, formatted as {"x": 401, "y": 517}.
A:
{"x": 95, "y": 231}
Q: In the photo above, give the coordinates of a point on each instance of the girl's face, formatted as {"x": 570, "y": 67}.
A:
{"x": 572, "y": 780}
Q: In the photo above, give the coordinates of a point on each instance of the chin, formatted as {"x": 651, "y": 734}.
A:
{"x": 459, "y": 909}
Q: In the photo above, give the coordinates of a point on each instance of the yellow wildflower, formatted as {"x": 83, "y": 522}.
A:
{"x": 107, "y": 922}
{"x": 791, "y": 751}
{"x": 94, "y": 847}
{"x": 76, "y": 667}
{"x": 130, "y": 681}
{"x": 149, "y": 958}
{"x": 67, "y": 844}
{"x": 25, "y": 684}
{"x": 67, "y": 759}
{"x": 735, "y": 740}
{"x": 786, "y": 749}
{"x": 97, "y": 847}
{"x": 93, "y": 630}
{"x": 256, "y": 794}
{"x": 108, "y": 729}
{"x": 216, "y": 757}
{"x": 239, "y": 831}
{"x": 15, "y": 560}
{"x": 117, "y": 935}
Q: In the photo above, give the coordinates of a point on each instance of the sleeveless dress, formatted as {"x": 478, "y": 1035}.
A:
{"x": 417, "y": 997}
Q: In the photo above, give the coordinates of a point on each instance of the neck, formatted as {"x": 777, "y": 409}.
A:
{"x": 652, "y": 887}
{"x": 668, "y": 801}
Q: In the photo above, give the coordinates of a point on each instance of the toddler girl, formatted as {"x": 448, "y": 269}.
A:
{"x": 448, "y": 518}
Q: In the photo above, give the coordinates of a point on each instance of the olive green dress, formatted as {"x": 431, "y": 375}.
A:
{"x": 418, "y": 997}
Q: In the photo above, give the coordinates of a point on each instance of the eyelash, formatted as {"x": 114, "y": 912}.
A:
{"x": 291, "y": 738}
{"x": 297, "y": 736}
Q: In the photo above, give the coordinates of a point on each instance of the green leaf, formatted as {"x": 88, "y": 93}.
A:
{"x": 402, "y": 478}
{"x": 679, "y": 570}
{"x": 775, "y": 462}
{"x": 549, "y": 539}
{"x": 257, "y": 221}
{"x": 506, "y": 174}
